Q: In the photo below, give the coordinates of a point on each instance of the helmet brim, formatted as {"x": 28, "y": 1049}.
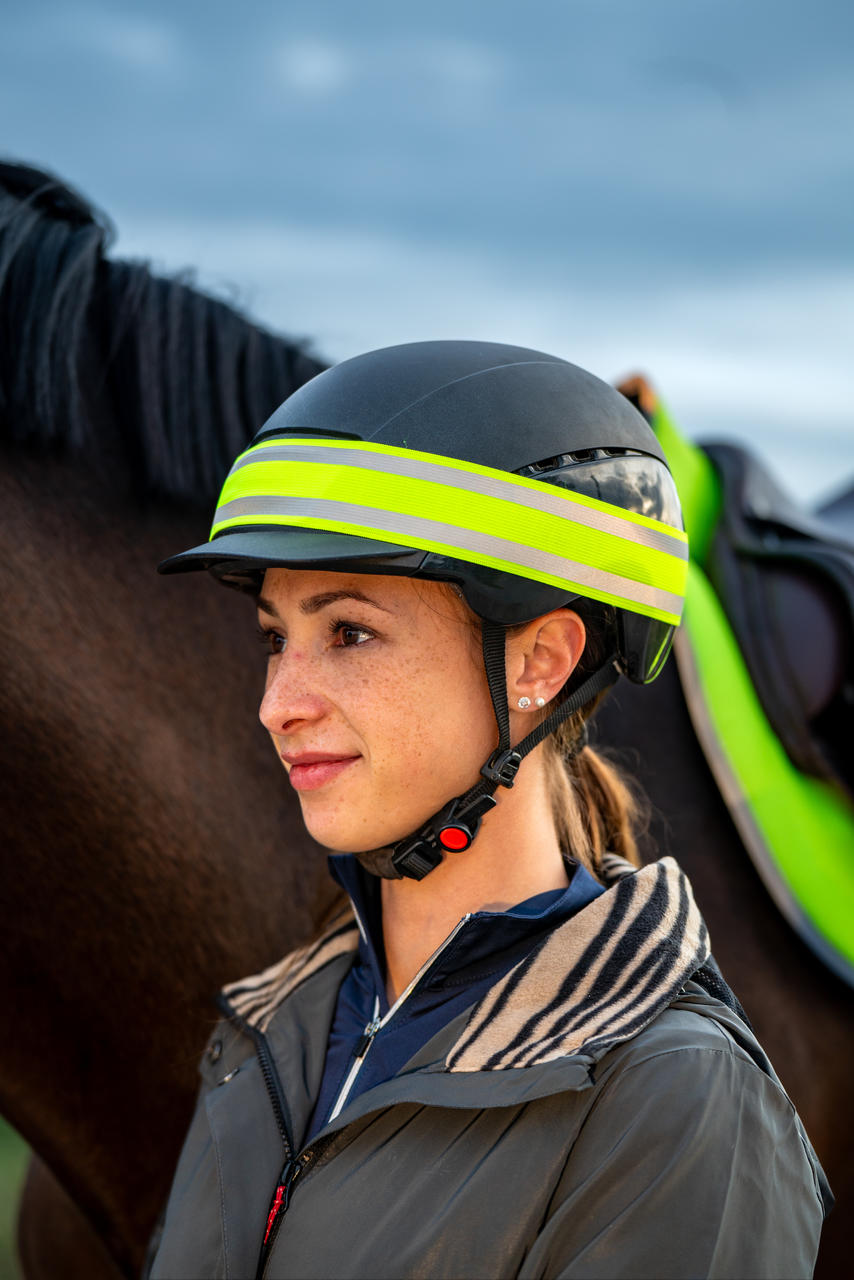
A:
{"x": 290, "y": 547}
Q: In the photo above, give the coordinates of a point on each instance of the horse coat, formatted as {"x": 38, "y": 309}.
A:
{"x": 596, "y": 1114}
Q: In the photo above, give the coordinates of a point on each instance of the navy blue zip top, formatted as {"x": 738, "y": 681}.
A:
{"x": 486, "y": 947}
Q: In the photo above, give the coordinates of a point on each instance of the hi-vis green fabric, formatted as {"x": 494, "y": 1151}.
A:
{"x": 798, "y": 830}
{"x": 460, "y": 509}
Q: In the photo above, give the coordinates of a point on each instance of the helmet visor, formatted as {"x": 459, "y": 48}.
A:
{"x": 264, "y": 548}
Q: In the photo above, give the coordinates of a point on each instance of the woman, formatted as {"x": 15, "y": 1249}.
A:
{"x": 513, "y": 1055}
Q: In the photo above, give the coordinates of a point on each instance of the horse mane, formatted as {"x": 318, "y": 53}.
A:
{"x": 187, "y": 379}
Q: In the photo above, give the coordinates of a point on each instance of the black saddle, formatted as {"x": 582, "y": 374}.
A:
{"x": 786, "y": 581}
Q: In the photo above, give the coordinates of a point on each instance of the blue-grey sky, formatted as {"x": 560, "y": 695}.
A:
{"x": 662, "y": 185}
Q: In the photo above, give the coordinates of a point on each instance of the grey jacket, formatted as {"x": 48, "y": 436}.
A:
{"x": 596, "y": 1114}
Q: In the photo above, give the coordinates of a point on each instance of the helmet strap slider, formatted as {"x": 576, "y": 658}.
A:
{"x": 501, "y": 767}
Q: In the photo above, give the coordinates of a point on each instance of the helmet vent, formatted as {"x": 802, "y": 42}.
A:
{"x": 547, "y": 464}
{"x": 560, "y": 460}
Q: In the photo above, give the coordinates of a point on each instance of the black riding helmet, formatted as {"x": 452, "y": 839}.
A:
{"x": 525, "y": 480}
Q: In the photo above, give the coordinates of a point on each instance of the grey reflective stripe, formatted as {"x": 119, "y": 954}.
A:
{"x": 473, "y": 482}
{"x": 411, "y": 527}
{"x": 738, "y": 803}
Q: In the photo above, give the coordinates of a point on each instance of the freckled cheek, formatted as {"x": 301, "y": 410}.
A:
{"x": 416, "y": 726}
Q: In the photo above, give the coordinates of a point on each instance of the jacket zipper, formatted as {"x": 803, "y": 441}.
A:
{"x": 272, "y": 1083}
{"x": 295, "y": 1165}
{"x": 361, "y": 1052}
{"x": 292, "y": 1167}
{"x": 376, "y": 1024}
{"x": 278, "y": 1208}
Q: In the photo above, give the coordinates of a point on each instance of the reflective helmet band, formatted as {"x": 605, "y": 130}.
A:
{"x": 462, "y": 510}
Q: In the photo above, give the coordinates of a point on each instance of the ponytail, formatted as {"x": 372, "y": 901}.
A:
{"x": 595, "y": 811}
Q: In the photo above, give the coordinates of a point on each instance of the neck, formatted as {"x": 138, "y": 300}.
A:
{"x": 516, "y": 855}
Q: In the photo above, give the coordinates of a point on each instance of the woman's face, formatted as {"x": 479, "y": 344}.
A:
{"x": 376, "y": 700}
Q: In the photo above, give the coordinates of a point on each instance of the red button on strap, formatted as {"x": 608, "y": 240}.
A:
{"x": 454, "y": 838}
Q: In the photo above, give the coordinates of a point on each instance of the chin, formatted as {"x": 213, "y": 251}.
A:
{"x": 341, "y": 838}
{"x": 336, "y": 843}
{"x": 361, "y": 829}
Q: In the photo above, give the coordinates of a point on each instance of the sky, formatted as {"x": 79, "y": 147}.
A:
{"x": 661, "y": 186}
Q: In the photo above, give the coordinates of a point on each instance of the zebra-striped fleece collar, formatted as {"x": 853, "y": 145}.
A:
{"x": 598, "y": 979}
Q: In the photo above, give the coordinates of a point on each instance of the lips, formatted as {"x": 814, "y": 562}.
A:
{"x": 312, "y": 769}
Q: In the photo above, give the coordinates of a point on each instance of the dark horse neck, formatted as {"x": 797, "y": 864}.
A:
{"x": 150, "y": 849}
{"x": 136, "y": 787}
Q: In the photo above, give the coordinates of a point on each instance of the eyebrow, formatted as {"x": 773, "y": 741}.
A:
{"x": 313, "y": 604}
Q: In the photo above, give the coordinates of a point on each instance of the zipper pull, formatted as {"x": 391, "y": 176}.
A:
{"x": 363, "y": 1044}
{"x": 278, "y": 1206}
{"x": 281, "y": 1195}
{"x": 274, "y": 1210}
{"x": 276, "y": 1203}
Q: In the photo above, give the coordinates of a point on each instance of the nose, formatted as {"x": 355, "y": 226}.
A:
{"x": 289, "y": 698}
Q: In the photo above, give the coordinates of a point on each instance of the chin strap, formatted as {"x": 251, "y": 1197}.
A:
{"x": 454, "y": 828}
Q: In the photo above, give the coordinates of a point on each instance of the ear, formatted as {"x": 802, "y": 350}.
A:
{"x": 543, "y": 655}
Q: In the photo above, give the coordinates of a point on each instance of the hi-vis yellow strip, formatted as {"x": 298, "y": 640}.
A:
{"x": 459, "y": 509}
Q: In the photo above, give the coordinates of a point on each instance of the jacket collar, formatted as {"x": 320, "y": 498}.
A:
{"x": 255, "y": 1000}
{"x": 489, "y": 944}
{"x": 596, "y": 980}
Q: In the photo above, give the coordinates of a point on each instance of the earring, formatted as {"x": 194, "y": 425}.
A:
{"x": 523, "y": 704}
{"x": 539, "y": 702}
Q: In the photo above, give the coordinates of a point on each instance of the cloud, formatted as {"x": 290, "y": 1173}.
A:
{"x": 764, "y": 358}
{"x": 139, "y": 42}
{"x": 314, "y": 68}
{"x": 460, "y": 63}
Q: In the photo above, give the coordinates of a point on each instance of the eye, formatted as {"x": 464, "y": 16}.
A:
{"x": 348, "y": 634}
{"x": 272, "y": 641}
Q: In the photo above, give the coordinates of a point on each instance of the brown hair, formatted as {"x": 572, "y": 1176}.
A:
{"x": 594, "y": 808}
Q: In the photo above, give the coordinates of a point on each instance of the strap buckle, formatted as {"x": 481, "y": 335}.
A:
{"x": 451, "y": 831}
{"x": 502, "y": 767}
{"x": 414, "y": 859}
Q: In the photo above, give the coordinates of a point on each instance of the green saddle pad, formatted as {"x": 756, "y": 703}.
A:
{"x": 797, "y": 829}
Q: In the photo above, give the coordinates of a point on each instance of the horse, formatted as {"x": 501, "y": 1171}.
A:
{"x": 151, "y": 852}
{"x": 133, "y": 785}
